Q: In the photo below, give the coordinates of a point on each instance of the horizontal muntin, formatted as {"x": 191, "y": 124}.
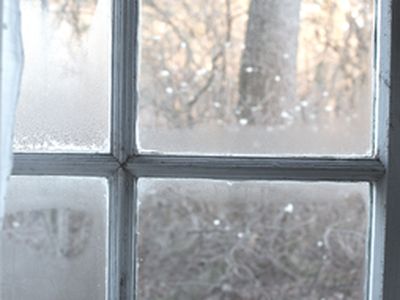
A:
{"x": 103, "y": 165}
{"x": 253, "y": 168}
{"x": 214, "y": 167}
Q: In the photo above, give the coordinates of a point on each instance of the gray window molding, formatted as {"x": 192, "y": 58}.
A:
{"x": 124, "y": 165}
{"x": 385, "y": 221}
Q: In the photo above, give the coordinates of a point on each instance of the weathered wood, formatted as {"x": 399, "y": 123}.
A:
{"x": 122, "y": 237}
{"x": 36, "y": 164}
{"x": 245, "y": 168}
{"x": 124, "y": 81}
{"x": 248, "y": 168}
{"x": 385, "y": 241}
{"x": 121, "y": 258}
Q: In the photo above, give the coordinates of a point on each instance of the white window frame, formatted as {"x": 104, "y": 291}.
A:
{"x": 124, "y": 165}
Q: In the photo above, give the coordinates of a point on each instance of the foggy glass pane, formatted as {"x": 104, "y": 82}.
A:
{"x": 279, "y": 77}
{"x": 53, "y": 239}
{"x": 64, "y": 100}
{"x": 205, "y": 239}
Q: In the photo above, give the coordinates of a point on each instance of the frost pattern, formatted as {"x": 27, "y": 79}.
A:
{"x": 53, "y": 239}
{"x": 64, "y": 103}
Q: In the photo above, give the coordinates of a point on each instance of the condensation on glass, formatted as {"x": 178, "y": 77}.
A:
{"x": 53, "y": 239}
{"x": 205, "y": 239}
{"x": 64, "y": 99}
{"x": 280, "y": 77}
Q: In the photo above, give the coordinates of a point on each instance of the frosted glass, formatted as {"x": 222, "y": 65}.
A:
{"x": 279, "y": 77}
{"x": 64, "y": 101}
{"x": 204, "y": 239}
{"x": 53, "y": 239}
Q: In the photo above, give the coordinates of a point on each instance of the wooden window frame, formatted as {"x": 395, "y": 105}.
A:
{"x": 124, "y": 165}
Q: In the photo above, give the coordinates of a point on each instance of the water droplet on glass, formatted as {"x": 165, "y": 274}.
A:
{"x": 217, "y": 104}
{"x": 255, "y": 108}
{"x": 285, "y": 115}
{"x": 226, "y": 287}
{"x": 15, "y": 224}
{"x": 201, "y": 72}
{"x": 304, "y": 103}
{"x": 243, "y": 122}
{"x": 169, "y": 90}
{"x": 360, "y": 22}
{"x": 164, "y": 73}
{"x": 289, "y": 208}
{"x": 354, "y": 14}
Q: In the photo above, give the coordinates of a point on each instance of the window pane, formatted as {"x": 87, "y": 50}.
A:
{"x": 204, "y": 239}
{"x": 53, "y": 239}
{"x": 64, "y": 101}
{"x": 281, "y": 77}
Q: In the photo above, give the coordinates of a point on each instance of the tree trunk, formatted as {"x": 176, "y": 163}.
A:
{"x": 268, "y": 67}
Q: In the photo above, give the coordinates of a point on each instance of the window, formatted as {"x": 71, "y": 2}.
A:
{"x": 122, "y": 179}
